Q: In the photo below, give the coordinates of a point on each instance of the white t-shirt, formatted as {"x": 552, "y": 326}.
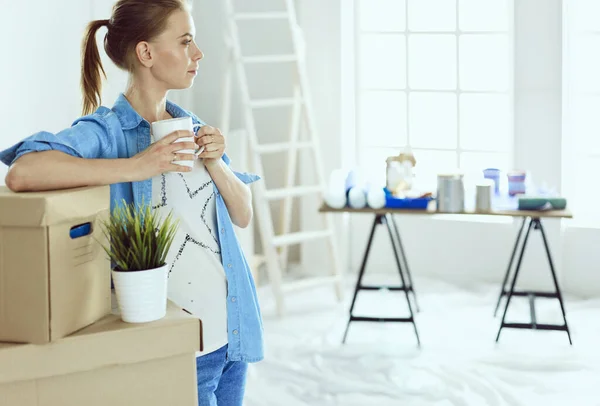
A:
{"x": 197, "y": 281}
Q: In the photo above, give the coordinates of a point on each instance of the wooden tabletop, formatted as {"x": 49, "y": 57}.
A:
{"x": 431, "y": 211}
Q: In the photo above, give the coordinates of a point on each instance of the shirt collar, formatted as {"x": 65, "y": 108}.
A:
{"x": 130, "y": 118}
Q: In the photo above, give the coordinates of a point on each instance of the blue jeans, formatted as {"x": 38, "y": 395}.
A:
{"x": 220, "y": 382}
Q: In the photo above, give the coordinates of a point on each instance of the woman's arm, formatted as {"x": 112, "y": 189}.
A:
{"x": 237, "y": 195}
{"x": 51, "y": 170}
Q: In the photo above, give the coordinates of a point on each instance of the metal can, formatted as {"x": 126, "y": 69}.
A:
{"x": 450, "y": 193}
{"x": 483, "y": 197}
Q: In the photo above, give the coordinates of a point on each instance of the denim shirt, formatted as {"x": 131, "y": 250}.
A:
{"x": 121, "y": 132}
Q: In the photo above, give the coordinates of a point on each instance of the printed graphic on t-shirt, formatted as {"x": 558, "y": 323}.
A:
{"x": 178, "y": 184}
{"x": 197, "y": 279}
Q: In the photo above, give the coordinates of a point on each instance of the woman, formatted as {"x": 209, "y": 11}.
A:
{"x": 154, "y": 42}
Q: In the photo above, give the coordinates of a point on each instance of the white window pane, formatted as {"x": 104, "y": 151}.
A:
{"x": 430, "y": 164}
{"x": 432, "y": 15}
{"x": 382, "y": 15}
{"x": 585, "y": 63}
{"x": 372, "y": 163}
{"x": 483, "y": 15}
{"x": 244, "y": 6}
{"x": 585, "y": 124}
{"x": 473, "y": 163}
{"x": 432, "y": 62}
{"x": 383, "y": 119}
{"x": 485, "y": 122}
{"x": 584, "y": 15}
{"x": 433, "y": 120}
{"x": 484, "y": 62}
{"x": 585, "y": 209}
{"x": 383, "y": 61}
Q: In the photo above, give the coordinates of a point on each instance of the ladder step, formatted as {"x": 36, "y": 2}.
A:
{"x": 297, "y": 238}
{"x": 283, "y": 101}
{"x": 282, "y": 147}
{"x": 292, "y": 192}
{"x": 311, "y": 282}
{"x": 275, "y": 15}
{"x": 270, "y": 59}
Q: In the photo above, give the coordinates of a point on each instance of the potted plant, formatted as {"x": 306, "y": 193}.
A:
{"x": 138, "y": 244}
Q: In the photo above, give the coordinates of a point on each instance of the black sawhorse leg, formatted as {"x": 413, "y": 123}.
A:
{"x": 510, "y": 265}
{"x": 411, "y": 286}
{"x": 536, "y": 224}
{"x": 389, "y": 222}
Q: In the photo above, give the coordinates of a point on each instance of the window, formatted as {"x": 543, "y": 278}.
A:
{"x": 581, "y": 140}
{"x": 435, "y": 75}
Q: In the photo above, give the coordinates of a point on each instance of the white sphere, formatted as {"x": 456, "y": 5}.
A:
{"x": 376, "y": 198}
{"x": 357, "y": 199}
{"x": 335, "y": 200}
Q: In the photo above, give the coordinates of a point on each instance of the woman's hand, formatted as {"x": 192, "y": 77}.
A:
{"x": 158, "y": 158}
{"x": 213, "y": 142}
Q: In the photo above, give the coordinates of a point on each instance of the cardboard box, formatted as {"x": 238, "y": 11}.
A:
{"x": 108, "y": 363}
{"x": 54, "y": 275}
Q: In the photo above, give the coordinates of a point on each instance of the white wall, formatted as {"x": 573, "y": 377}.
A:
{"x": 40, "y": 70}
{"x": 39, "y": 73}
{"x": 322, "y": 27}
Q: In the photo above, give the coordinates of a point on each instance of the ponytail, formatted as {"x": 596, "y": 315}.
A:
{"x": 91, "y": 68}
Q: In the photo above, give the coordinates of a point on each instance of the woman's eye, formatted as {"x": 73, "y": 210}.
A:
{"x": 188, "y": 42}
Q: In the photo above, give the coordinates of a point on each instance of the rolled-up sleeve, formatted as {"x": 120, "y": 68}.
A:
{"x": 245, "y": 177}
{"x": 88, "y": 137}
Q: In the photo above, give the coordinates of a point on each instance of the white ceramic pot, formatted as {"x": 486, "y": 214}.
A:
{"x": 142, "y": 295}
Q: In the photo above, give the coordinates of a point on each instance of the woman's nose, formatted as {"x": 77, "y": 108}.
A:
{"x": 199, "y": 55}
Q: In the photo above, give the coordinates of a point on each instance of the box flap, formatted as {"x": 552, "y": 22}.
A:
{"x": 46, "y": 208}
{"x": 108, "y": 342}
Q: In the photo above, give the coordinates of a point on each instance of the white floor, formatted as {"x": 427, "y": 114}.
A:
{"x": 459, "y": 362}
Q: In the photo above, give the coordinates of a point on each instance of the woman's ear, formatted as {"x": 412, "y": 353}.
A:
{"x": 143, "y": 53}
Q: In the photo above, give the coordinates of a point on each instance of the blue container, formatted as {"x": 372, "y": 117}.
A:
{"x": 516, "y": 183}
{"x": 494, "y": 175}
{"x": 392, "y": 202}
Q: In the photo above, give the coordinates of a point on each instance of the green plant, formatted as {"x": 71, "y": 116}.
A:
{"x": 138, "y": 239}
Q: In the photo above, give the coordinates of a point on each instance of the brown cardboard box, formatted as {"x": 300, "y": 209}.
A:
{"x": 51, "y": 284}
{"x": 110, "y": 363}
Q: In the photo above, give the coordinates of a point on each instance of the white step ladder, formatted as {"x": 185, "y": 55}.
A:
{"x": 275, "y": 246}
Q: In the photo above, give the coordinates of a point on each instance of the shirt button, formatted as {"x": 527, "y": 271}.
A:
{"x": 235, "y": 332}
{"x": 233, "y": 299}
{"x": 222, "y": 231}
{"x": 228, "y": 265}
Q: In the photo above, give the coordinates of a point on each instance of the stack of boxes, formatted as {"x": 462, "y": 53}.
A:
{"x": 60, "y": 345}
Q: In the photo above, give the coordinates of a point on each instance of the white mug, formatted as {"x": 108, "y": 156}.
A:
{"x": 161, "y": 129}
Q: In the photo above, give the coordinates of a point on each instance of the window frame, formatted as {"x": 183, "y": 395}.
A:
{"x": 407, "y": 33}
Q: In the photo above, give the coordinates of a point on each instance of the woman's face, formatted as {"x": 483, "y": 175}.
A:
{"x": 175, "y": 55}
